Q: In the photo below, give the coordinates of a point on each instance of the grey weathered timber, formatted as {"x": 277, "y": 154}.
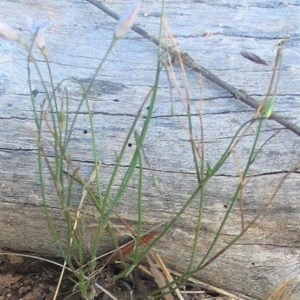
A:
{"x": 213, "y": 33}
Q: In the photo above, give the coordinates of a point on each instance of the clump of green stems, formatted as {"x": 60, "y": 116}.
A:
{"x": 53, "y": 116}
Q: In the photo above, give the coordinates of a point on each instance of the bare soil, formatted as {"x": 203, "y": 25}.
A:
{"x": 30, "y": 279}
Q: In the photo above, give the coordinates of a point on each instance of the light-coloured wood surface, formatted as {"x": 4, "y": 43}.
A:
{"x": 213, "y": 33}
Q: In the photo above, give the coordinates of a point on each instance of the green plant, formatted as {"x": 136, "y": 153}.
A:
{"x": 53, "y": 118}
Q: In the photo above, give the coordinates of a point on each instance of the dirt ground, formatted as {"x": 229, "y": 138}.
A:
{"x": 30, "y": 279}
{"x": 23, "y": 278}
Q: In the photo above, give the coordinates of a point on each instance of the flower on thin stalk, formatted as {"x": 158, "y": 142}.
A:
{"x": 8, "y": 33}
{"x": 126, "y": 21}
{"x": 37, "y": 29}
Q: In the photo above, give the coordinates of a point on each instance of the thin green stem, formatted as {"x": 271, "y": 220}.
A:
{"x": 139, "y": 200}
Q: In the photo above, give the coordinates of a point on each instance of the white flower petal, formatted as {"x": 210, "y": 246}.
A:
{"x": 126, "y": 21}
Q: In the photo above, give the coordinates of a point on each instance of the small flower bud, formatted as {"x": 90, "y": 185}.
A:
{"x": 8, "y": 33}
{"x": 126, "y": 21}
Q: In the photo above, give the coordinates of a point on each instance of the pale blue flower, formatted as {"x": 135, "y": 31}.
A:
{"x": 37, "y": 29}
{"x": 8, "y": 33}
{"x": 126, "y": 21}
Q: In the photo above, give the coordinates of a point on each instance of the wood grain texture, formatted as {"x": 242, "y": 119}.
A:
{"x": 213, "y": 33}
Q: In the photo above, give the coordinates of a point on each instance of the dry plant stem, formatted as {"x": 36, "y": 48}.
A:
{"x": 275, "y": 75}
{"x": 202, "y": 156}
{"x": 186, "y": 101}
{"x": 166, "y": 272}
{"x": 159, "y": 279}
{"x": 78, "y": 212}
{"x": 209, "y": 287}
{"x": 190, "y": 63}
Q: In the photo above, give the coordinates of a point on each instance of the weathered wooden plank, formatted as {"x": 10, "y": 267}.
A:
{"x": 213, "y": 33}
